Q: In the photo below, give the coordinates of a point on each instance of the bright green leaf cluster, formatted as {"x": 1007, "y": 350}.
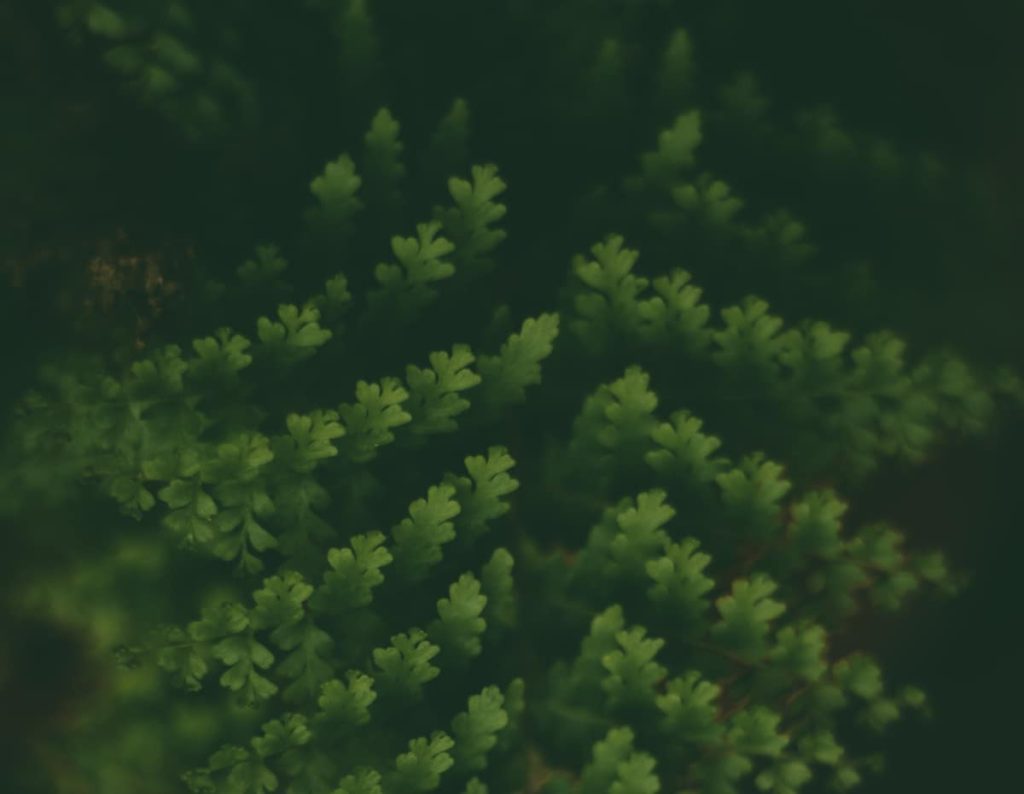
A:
{"x": 469, "y": 223}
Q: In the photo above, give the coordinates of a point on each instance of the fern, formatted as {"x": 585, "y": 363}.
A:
{"x": 634, "y": 576}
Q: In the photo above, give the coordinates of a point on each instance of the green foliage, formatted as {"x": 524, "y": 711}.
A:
{"x": 405, "y": 288}
{"x": 219, "y": 359}
{"x": 405, "y": 664}
{"x": 785, "y": 777}
{"x": 816, "y": 524}
{"x": 676, "y": 77}
{"x": 632, "y": 671}
{"x": 335, "y": 301}
{"x": 627, "y": 537}
{"x": 684, "y": 453}
{"x": 468, "y": 224}
{"x": 418, "y": 538}
{"x": 243, "y": 656}
{"x": 264, "y": 269}
{"x": 364, "y": 781}
{"x": 612, "y": 306}
{"x": 421, "y": 768}
{"x": 800, "y": 651}
{"x": 383, "y": 165}
{"x": 306, "y": 664}
{"x": 370, "y": 420}
{"x": 336, "y": 192}
{"x": 448, "y": 150}
{"x": 617, "y": 767}
{"x": 480, "y": 496}
{"x": 308, "y": 441}
{"x": 679, "y": 580}
{"x": 746, "y": 614}
{"x": 347, "y": 703}
{"x": 616, "y": 422}
{"x": 295, "y": 338}
{"x": 475, "y": 730}
{"x": 751, "y": 494}
{"x": 459, "y": 628}
{"x": 188, "y": 75}
{"x": 633, "y": 605}
{"x": 676, "y": 145}
{"x": 280, "y": 607}
{"x": 499, "y": 590}
{"x": 689, "y": 712}
{"x": 354, "y": 573}
{"x": 517, "y": 365}
{"x": 434, "y": 399}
